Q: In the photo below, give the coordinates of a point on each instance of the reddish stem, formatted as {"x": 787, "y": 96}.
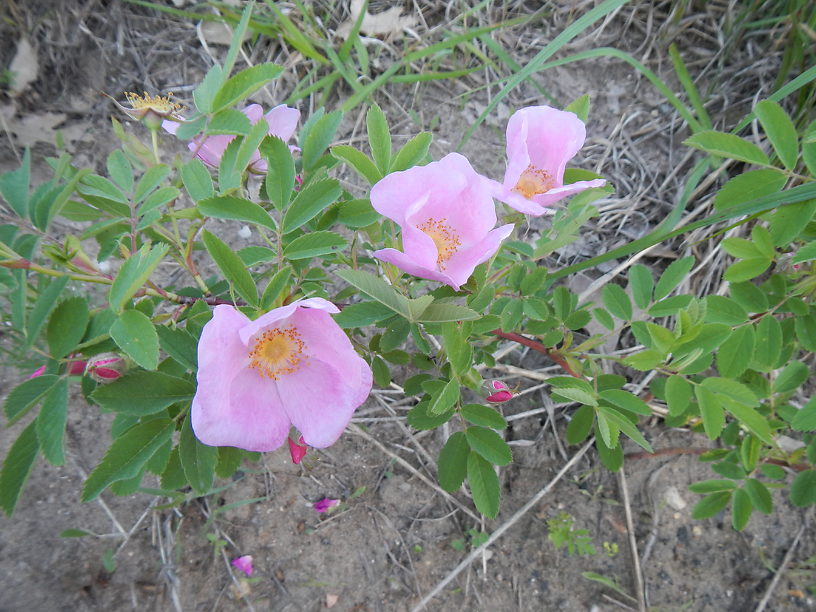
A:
{"x": 537, "y": 346}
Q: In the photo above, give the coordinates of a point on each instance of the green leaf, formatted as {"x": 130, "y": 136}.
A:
{"x": 205, "y": 92}
{"x": 768, "y": 344}
{"x": 805, "y": 417}
{"x": 576, "y": 395}
{"x": 229, "y": 460}
{"x": 748, "y": 186}
{"x": 579, "y": 106}
{"x": 750, "y": 418}
{"x": 238, "y": 209}
{"x": 51, "y": 423}
{"x": 67, "y": 326}
{"x": 179, "y": 344}
{"x": 581, "y": 424}
{"x": 27, "y": 395}
{"x": 760, "y": 495}
{"x": 452, "y": 462}
{"x": 357, "y": 213}
{"x": 489, "y": 445}
{"x": 625, "y": 426}
{"x": 359, "y": 161}
{"x": 413, "y": 152}
{"x": 479, "y": 414}
{"x": 134, "y": 273}
{"x": 678, "y": 395}
{"x": 14, "y": 189}
{"x": 275, "y": 287}
{"x": 158, "y": 198}
{"x": 626, "y": 401}
{"x": 134, "y": 333}
{"x": 309, "y": 202}
{"x": 127, "y": 455}
{"x": 74, "y": 533}
{"x": 314, "y": 244}
{"x": 805, "y": 326}
{"x": 780, "y": 131}
{"x": 197, "y": 180}
{"x": 231, "y": 267}
{"x": 317, "y": 136}
{"x": 736, "y": 352}
{"x": 419, "y": 418}
{"x": 611, "y": 458}
{"x": 805, "y": 253}
{"x": 379, "y": 138}
{"x": 640, "y": 284}
{"x": 746, "y": 269}
{"x": 197, "y": 460}
{"x": 803, "y": 489}
{"x": 444, "y": 400}
{"x": 484, "y": 485}
{"x": 457, "y": 347}
{"x": 394, "y": 335}
{"x": 242, "y": 85}
{"x": 668, "y": 307}
{"x": 140, "y": 393}
{"x": 720, "y": 309}
{"x": 673, "y": 276}
{"x": 173, "y": 476}
{"x": 792, "y": 376}
{"x": 17, "y": 466}
{"x": 617, "y": 302}
{"x": 382, "y": 374}
{"x": 362, "y": 314}
{"x": 229, "y": 121}
{"x": 741, "y": 509}
{"x": 711, "y": 410}
{"x": 120, "y": 170}
{"x": 727, "y": 145}
{"x": 442, "y": 313}
{"x": 378, "y": 289}
{"x": 280, "y": 175}
{"x": 710, "y": 505}
{"x": 45, "y": 303}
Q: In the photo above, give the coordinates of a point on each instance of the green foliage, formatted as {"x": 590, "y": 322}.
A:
{"x": 562, "y": 533}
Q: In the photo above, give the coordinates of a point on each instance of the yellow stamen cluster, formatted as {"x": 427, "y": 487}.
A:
{"x": 161, "y": 105}
{"x": 533, "y": 181}
{"x": 277, "y": 352}
{"x": 445, "y": 238}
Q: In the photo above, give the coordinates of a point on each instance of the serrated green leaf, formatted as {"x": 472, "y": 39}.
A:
{"x": 805, "y": 417}
{"x": 792, "y": 376}
{"x": 395, "y": 334}
{"x": 626, "y": 427}
{"x": 710, "y": 505}
{"x": 362, "y": 314}
{"x": 803, "y": 489}
{"x": 17, "y": 467}
{"x": 413, "y": 152}
{"x": 197, "y": 460}
{"x": 711, "y": 411}
{"x": 489, "y": 445}
{"x": 243, "y": 84}
{"x": 229, "y": 460}
{"x": 357, "y": 213}
{"x": 45, "y": 303}
{"x": 51, "y": 423}
{"x": 314, "y": 244}
{"x": 780, "y": 131}
{"x": 672, "y": 277}
{"x": 479, "y": 414}
{"x": 134, "y": 274}
{"x": 134, "y": 333}
{"x": 727, "y": 145}
{"x": 678, "y": 395}
{"x": 442, "y": 313}
{"x": 378, "y": 289}
{"x": 309, "y": 202}
{"x": 712, "y": 486}
{"x": 66, "y": 327}
{"x": 617, "y": 302}
{"x": 626, "y": 401}
{"x": 179, "y": 344}
{"x": 640, "y": 284}
{"x": 127, "y": 455}
{"x": 760, "y": 495}
{"x": 139, "y": 393}
{"x": 484, "y": 485}
{"x": 746, "y": 269}
{"x": 748, "y": 186}
{"x": 580, "y": 425}
{"x": 736, "y": 352}
{"x": 359, "y": 161}
{"x": 231, "y": 267}
{"x": 237, "y": 209}
{"x": 275, "y": 287}
{"x": 317, "y": 135}
{"x": 197, "y": 180}
{"x": 444, "y": 400}
{"x": 120, "y": 170}
{"x": 419, "y": 418}
{"x": 14, "y": 188}
{"x": 805, "y": 326}
{"x": 741, "y": 509}
{"x": 720, "y": 309}
{"x": 579, "y": 106}
{"x": 379, "y": 138}
{"x": 452, "y": 462}
{"x": 27, "y": 395}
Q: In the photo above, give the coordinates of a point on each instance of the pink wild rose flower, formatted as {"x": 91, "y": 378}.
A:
{"x": 244, "y": 564}
{"x": 282, "y": 122}
{"x": 540, "y": 142}
{"x": 292, "y": 366}
{"x": 447, "y": 216}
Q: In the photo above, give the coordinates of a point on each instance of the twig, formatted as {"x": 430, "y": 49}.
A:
{"x": 537, "y": 346}
{"x": 630, "y": 528}
{"x": 356, "y": 430}
{"x": 788, "y": 555}
{"x": 504, "y": 527}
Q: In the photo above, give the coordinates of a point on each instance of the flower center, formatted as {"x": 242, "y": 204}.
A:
{"x": 277, "y": 352}
{"x": 161, "y": 105}
{"x": 445, "y": 238}
{"x": 533, "y": 181}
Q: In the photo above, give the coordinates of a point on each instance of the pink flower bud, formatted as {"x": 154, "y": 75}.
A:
{"x": 77, "y": 368}
{"x": 502, "y": 392}
{"x": 106, "y": 367}
{"x": 38, "y": 372}
{"x": 297, "y": 450}
{"x": 244, "y": 564}
{"x": 326, "y": 504}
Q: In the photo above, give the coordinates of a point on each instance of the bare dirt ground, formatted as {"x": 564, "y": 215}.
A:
{"x": 399, "y": 537}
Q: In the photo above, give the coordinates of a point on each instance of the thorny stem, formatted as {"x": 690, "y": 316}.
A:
{"x": 537, "y": 346}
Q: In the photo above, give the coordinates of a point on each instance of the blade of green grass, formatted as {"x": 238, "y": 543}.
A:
{"x": 691, "y": 89}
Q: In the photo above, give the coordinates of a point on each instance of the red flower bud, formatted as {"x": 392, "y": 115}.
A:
{"x": 297, "y": 450}
{"x": 106, "y": 367}
{"x": 502, "y": 392}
